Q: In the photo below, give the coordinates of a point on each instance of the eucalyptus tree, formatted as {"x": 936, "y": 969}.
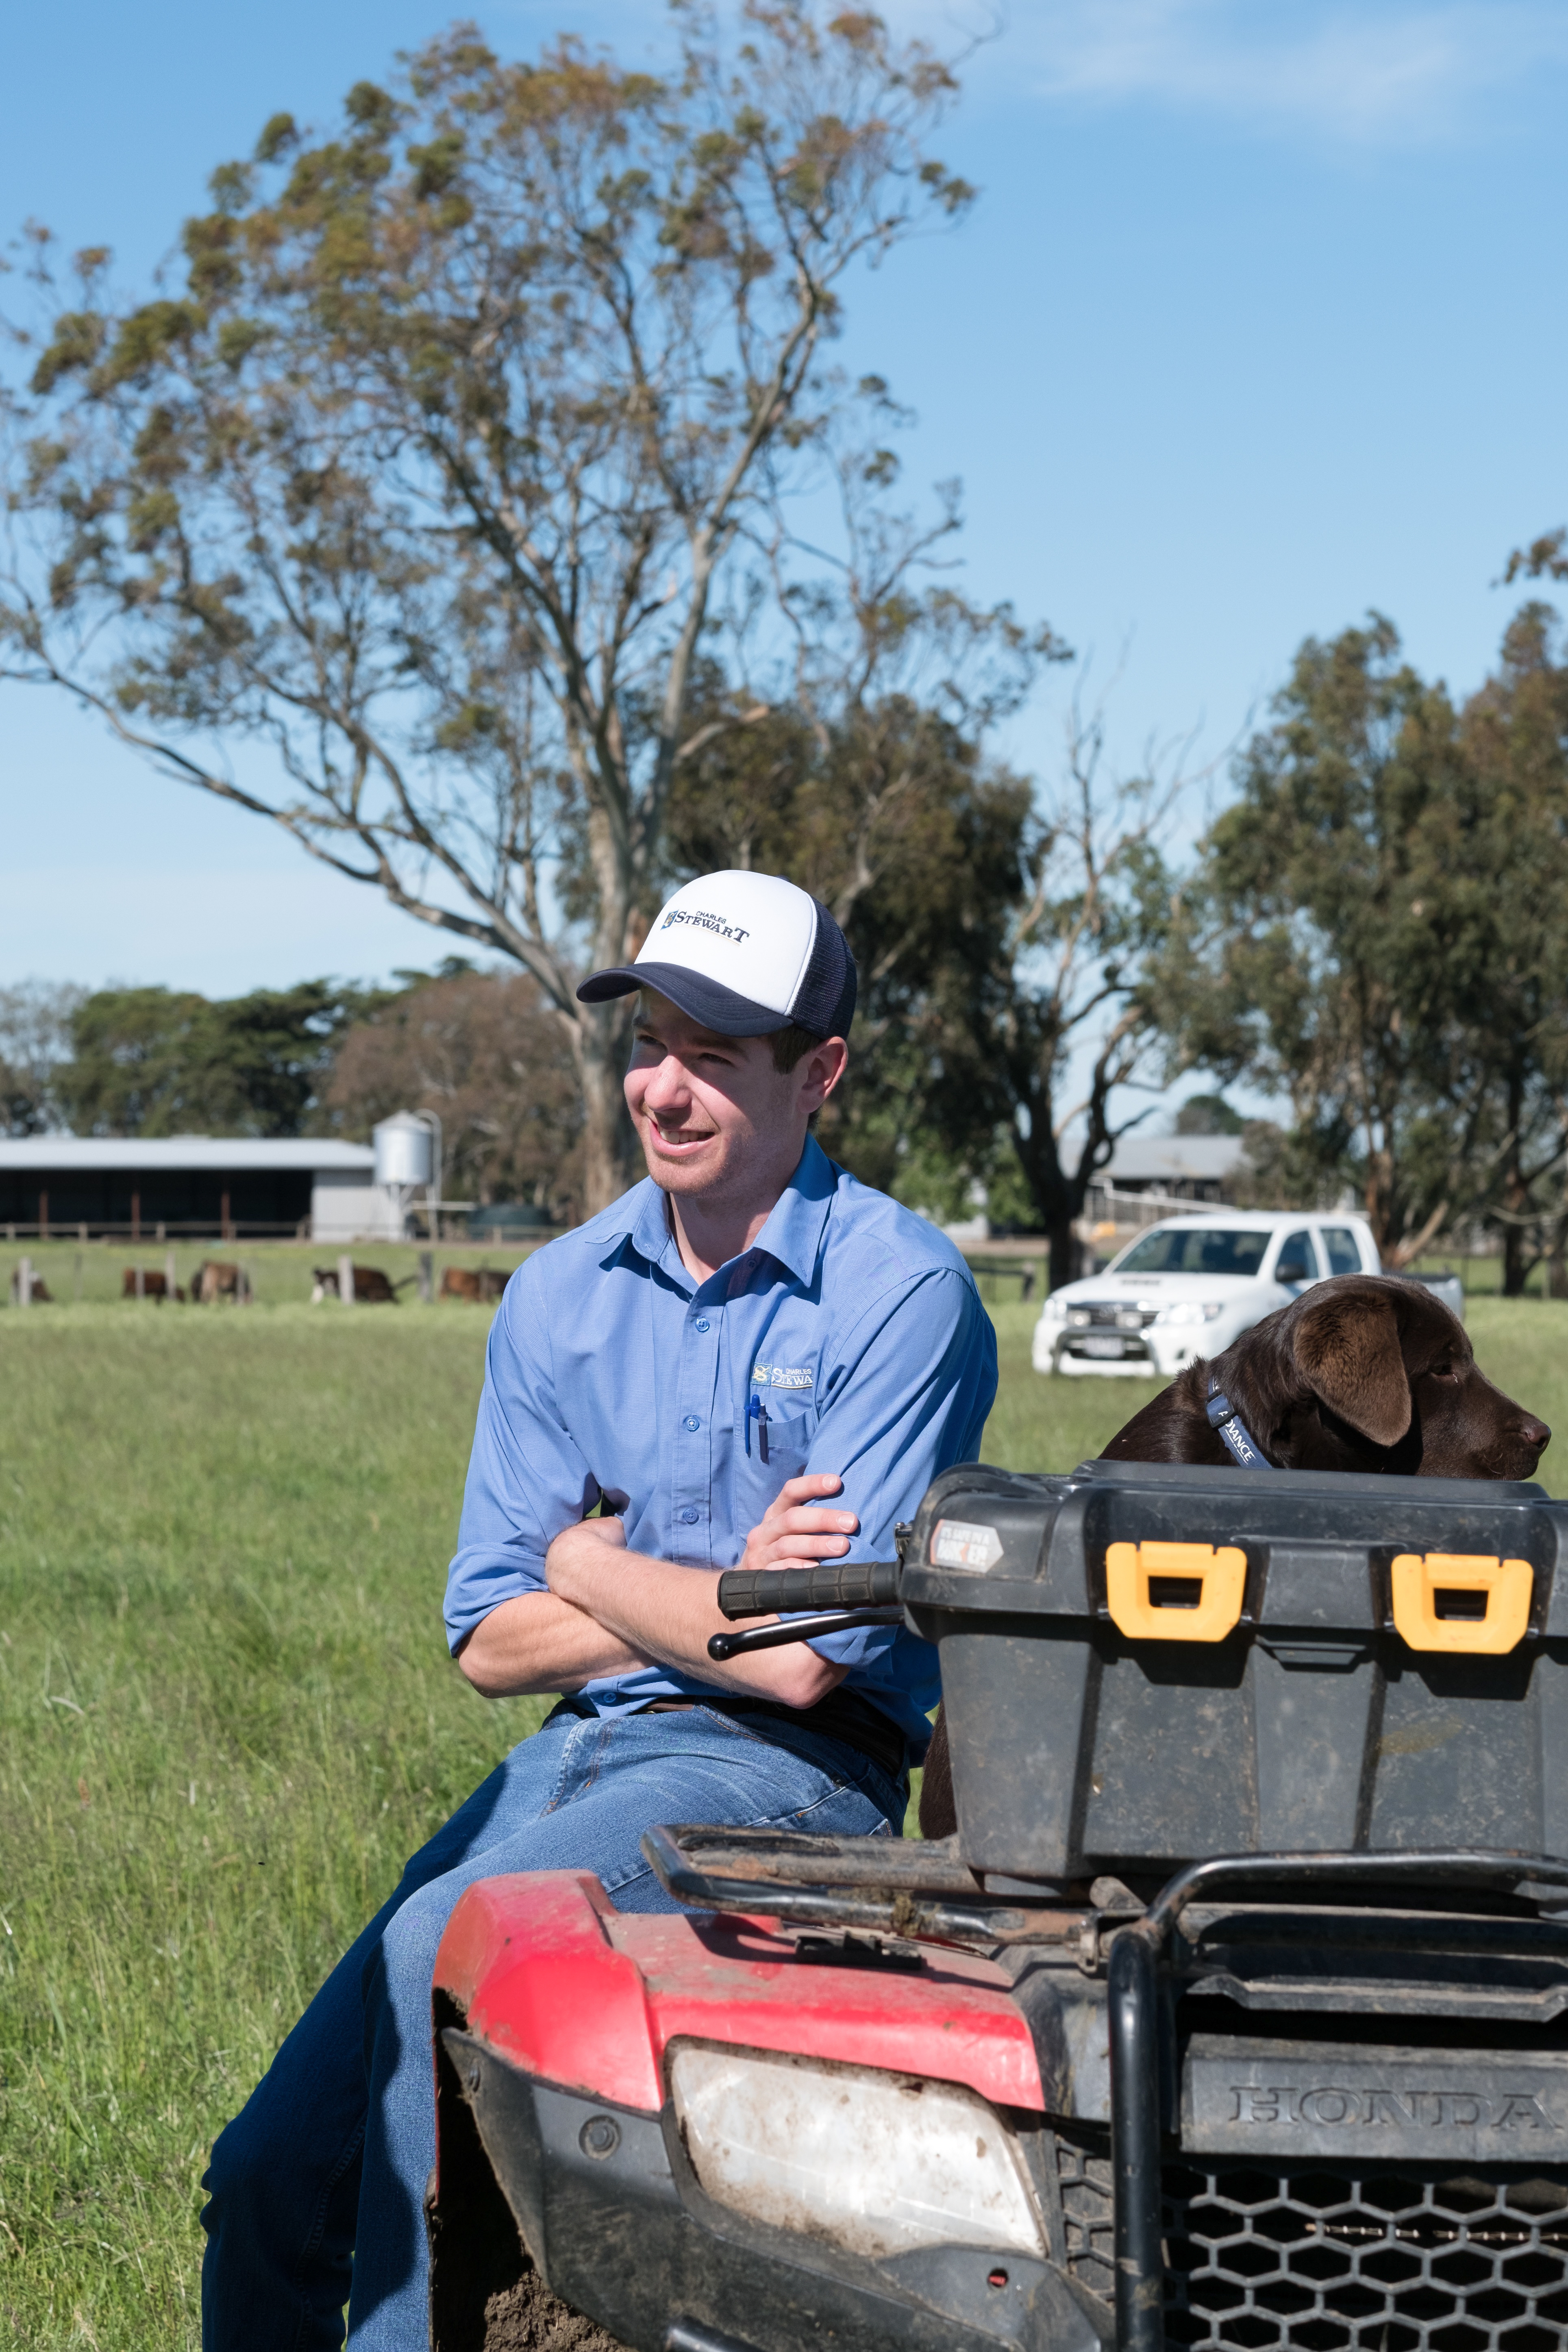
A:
{"x": 444, "y": 446}
{"x": 1375, "y": 932}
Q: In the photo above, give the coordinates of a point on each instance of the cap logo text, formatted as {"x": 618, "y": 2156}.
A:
{"x": 706, "y": 922}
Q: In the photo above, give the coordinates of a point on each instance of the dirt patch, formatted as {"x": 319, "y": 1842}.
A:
{"x": 529, "y": 2319}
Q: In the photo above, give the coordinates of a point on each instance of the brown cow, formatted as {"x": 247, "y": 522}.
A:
{"x": 371, "y": 1288}
{"x": 40, "y": 1293}
{"x": 155, "y": 1284}
{"x": 482, "y": 1285}
{"x": 215, "y": 1278}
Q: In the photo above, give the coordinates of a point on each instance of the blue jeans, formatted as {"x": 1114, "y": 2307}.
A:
{"x": 317, "y": 2186}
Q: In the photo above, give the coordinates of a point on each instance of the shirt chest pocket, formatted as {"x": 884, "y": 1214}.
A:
{"x": 788, "y": 1438}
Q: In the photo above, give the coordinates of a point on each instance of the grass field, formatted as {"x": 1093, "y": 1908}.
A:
{"x": 226, "y": 1715}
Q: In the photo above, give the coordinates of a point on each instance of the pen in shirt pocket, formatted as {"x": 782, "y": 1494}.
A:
{"x": 757, "y": 1410}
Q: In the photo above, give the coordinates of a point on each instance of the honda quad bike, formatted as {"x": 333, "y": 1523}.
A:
{"x": 1236, "y": 2013}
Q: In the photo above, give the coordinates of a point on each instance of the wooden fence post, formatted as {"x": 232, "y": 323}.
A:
{"x": 427, "y": 1275}
{"x": 24, "y": 1283}
{"x": 168, "y": 1273}
{"x": 346, "y": 1279}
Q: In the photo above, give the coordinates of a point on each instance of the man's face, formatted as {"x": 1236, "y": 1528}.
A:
{"x": 712, "y": 1114}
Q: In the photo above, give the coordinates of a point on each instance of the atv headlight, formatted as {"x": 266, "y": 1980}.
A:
{"x": 872, "y": 2161}
{"x": 1055, "y": 1308}
{"x": 1192, "y": 1310}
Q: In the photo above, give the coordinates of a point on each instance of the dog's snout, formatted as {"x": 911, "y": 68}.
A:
{"x": 1535, "y": 1433}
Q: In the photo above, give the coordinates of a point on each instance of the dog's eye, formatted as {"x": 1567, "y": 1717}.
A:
{"x": 1444, "y": 1373}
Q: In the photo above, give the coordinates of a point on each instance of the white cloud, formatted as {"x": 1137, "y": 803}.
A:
{"x": 1381, "y": 73}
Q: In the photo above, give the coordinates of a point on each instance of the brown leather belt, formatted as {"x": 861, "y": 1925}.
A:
{"x": 842, "y": 1715}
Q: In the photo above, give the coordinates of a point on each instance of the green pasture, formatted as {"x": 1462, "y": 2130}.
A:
{"x": 226, "y": 1713}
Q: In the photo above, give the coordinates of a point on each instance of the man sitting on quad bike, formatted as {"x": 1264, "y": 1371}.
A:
{"x": 743, "y": 1335}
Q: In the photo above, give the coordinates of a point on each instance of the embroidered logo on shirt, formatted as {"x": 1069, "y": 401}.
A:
{"x": 783, "y": 1376}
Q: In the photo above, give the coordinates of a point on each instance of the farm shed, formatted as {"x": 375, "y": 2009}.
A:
{"x": 1177, "y": 1167}
{"x": 216, "y": 1187}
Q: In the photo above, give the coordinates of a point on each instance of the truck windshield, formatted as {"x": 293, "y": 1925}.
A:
{"x": 1206, "y": 1249}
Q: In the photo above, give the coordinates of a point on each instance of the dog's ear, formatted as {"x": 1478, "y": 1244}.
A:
{"x": 1346, "y": 1345}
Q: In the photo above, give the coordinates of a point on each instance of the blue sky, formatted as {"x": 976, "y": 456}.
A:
{"x": 1260, "y": 322}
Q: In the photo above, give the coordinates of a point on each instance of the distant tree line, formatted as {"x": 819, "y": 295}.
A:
{"x": 321, "y": 1058}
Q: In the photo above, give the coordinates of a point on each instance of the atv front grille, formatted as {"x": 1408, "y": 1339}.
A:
{"x": 1370, "y": 2260}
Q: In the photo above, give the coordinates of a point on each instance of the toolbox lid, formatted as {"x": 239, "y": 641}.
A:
{"x": 1163, "y": 1549}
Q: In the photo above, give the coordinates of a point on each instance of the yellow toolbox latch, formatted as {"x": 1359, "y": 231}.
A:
{"x": 1461, "y": 1600}
{"x": 1174, "y": 1591}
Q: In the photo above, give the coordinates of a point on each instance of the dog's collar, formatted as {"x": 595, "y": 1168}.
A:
{"x": 1224, "y": 1416}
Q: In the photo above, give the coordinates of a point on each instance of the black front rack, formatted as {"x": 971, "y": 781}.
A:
{"x": 876, "y": 1884}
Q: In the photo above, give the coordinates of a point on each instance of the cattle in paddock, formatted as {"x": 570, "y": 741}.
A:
{"x": 38, "y": 1294}
{"x": 155, "y": 1284}
{"x": 214, "y": 1279}
{"x": 482, "y": 1285}
{"x": 372, "y": 1287}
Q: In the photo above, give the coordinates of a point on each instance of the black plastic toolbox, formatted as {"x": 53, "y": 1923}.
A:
{"x": 1144, "y": 1663}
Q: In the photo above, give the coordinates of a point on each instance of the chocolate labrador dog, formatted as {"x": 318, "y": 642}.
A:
{"x": 1361, "y": 1372}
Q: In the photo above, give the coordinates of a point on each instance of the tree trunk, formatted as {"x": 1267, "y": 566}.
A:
{"x": 1063, "y": 1252}
{"x": 1377, "y": 1202}
{"x": 611, "y": 1160}
{"x": 1057, "y": 1199}
{"x": 1516, "y": 1201}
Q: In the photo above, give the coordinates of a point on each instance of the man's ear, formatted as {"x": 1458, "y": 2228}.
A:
{"x": 821, "y": 1071}
{"x": 1346, "y": 1345}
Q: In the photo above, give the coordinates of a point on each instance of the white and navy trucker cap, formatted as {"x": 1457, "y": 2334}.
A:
{"x": 744, "y": 954}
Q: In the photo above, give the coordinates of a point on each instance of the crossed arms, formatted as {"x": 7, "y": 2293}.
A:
{"x": 609, "y": 1611}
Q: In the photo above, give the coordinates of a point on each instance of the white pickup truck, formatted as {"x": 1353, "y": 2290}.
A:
{"x": 1189, "y": 1286}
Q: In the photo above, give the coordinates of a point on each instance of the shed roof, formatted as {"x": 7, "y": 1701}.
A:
{"x": 1190, "y": 1159}
{"x": 148, "y": 1154}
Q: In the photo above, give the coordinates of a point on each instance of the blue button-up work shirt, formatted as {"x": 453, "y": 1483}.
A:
{"x": 612, "y": 1374}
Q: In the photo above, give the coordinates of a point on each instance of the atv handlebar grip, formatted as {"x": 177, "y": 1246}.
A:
{"x": 830, "y": 1584}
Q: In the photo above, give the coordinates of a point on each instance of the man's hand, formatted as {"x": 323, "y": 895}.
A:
{"x": 583, "y": 1547}
{"x": 668, "y": 1611}
{"x": 795, "y": 1530}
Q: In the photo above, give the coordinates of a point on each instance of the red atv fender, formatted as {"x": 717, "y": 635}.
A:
{"x": 591, "y": 2066}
